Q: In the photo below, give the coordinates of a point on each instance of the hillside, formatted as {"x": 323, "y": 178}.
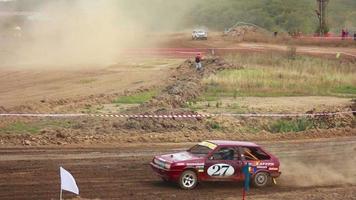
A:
{"x": 274, "y": 15}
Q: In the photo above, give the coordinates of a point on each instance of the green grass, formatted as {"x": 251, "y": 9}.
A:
{"x": 296, "y": 125}
{"x": 33, "y": 127}
{"x": 276, "y": 75}
{"x": 138, "y": 98}
{"x": 87, "y": 81}
{"x": 346, "y": 89}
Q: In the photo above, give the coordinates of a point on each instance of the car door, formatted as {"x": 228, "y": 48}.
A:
{"x": 223, "y": 164}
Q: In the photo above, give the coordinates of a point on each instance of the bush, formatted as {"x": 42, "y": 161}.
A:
{"x": 214, "y": 125}
{"x": 297, "y": 125}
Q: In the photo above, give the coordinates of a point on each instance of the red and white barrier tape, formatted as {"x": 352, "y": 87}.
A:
{"x": 176, "y": 116}
{"x": 188, "y": 52}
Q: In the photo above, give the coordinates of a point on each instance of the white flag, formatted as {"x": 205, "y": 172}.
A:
{"x": 67, "y": 182}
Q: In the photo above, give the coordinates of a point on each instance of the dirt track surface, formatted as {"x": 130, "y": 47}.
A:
{"x": 182, "y": 43}
{"x": 35, "y": 84}
{"x": 312, "y": 169}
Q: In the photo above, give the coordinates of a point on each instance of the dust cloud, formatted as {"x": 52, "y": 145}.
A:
{"x": 90, "y": 32}
{"x": 319, "y": 172}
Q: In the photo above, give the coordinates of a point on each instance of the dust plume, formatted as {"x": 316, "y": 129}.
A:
{"x": 90, "y": 32}
{"x": 319, "y": 172}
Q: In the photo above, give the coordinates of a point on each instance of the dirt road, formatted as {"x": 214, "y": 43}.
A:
{"x": 312, "y": 169}
{"x": 182, "y": 44}
{"x": 32, "y": 84}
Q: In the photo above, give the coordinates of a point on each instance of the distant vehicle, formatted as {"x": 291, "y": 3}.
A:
{"x": 199, "y": 34}
{"x": 217, "y": 160}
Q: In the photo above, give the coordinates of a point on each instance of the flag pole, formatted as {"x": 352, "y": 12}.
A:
{"x": 243, "y": 194}
{"x": 60, "y": 177}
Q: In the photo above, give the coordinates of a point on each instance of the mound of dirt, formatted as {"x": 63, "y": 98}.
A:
{"x": 353, "y": 106}
{"x": 241, "y": 31}
{"x": 185, "y": 85}
{"x": 3, "y": 110}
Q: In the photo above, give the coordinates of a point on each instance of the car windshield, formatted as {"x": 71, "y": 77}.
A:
{"x": 199, "y": 150}
{"x": 202, "y": 149}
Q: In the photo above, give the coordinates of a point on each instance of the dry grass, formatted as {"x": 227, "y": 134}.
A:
{"x": 277, "y": 75}
{"x": 283, "y": 38}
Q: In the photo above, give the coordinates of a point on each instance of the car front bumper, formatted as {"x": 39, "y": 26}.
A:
{"x": 169, "y": 175}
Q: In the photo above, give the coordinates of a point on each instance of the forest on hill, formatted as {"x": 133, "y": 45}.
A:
{"x": 273, "y": 15}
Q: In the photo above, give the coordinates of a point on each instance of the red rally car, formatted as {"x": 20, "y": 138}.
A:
{"x": 217, "y": 160}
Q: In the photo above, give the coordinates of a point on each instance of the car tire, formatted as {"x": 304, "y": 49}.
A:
{"x": 188, "y": 180}
{"x": 261, "y": 179}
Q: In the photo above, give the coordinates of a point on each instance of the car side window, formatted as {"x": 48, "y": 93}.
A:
{"x": 226, "y": 153}
{"x": 254, "y": 153}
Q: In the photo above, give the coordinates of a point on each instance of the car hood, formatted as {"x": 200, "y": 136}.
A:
{"x": 179, "y": 157}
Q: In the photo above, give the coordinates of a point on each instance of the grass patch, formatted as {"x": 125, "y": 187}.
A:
{"x": 214, "y": 125}
{"x": 346, "y": 89}
{"x": 87, "y": 81}
{"x": 216, "y": 107}
{"x": 249, "y": 129}
{"x": 138, "y": 98}
{"x": 277, "y": 75}
{"x": 33, "y": 127}
{"x": 297, "y": 125}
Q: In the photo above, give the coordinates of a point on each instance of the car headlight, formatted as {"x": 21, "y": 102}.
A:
{"x": 167, "y": 165}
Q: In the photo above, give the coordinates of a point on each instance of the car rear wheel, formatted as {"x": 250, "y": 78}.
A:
{"x": 261, "y": 179}
{"x": 188, "y": 180}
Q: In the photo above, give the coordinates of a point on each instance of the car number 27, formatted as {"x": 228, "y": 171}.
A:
{"x": 221, "y": 170}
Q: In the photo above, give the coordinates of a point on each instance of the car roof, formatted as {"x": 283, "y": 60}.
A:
{"x": 234, "y": 143}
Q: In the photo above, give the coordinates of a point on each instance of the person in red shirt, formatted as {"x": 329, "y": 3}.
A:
{"x": 198, "y": 60}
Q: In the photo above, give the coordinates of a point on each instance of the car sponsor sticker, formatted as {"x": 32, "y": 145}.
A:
{"x": 180, "y": 164}
{"x": 208, "y": 144}
{"x": 261, "y": 167}
{"x": 200, "y": 168}
{"x": 266, "y": 164}
{"x": 194, "y": 164}
{"x": 221, "y": 170}
{"x": 273, "y": 168}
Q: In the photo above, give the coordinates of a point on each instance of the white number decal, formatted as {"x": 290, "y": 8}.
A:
{"x": 221, "y": 170}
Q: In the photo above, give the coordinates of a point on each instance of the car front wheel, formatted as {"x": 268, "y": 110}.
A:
{"x": 261, "y": 179}
{"x": 188, "y": 180}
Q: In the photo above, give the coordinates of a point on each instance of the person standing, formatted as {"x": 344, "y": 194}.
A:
{"x": 198, "y": 60}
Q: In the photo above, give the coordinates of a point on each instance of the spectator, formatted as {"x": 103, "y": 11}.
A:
{"x": 355, "y": 36}
{"x": 198, "y": 64}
